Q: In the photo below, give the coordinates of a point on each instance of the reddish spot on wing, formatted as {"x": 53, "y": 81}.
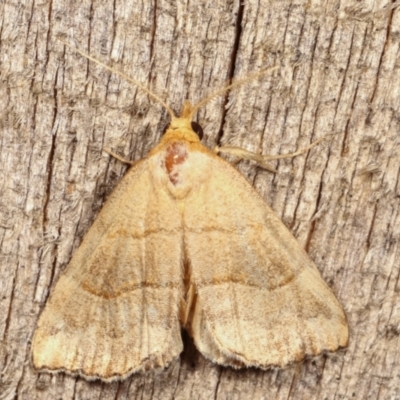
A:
{"x": 176, "y": 154}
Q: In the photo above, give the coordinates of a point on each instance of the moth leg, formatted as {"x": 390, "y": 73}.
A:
{"x": 298, "y": 152}
{"x": 118, "y": 157}
{"x": 262, "y": 159}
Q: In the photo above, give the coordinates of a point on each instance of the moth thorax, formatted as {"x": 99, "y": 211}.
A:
{"x": 176, "y": 154}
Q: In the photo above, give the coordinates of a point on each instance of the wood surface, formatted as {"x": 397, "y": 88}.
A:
{"x": 338, "y": 76}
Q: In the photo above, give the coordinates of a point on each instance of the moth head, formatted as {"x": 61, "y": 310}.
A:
{"x": 183, "y": 126}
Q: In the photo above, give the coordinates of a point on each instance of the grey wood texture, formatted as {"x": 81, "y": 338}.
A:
{"x": 339, "y": 75}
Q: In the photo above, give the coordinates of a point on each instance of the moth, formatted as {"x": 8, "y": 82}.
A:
{"x": 185, "y": 241}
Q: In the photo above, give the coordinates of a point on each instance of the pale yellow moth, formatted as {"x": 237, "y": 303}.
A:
{"x": 185, "y": 241}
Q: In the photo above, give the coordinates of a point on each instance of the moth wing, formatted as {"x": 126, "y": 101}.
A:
{"x": 114, "y": 311}
{"x": 260, "y": 300}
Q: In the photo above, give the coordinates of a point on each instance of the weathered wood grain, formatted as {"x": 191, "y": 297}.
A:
{"x": 339, "y": 75}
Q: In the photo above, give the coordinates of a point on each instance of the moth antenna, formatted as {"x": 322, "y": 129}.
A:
{"x": 234, "y": 84}
{"x": 126, "y": 77}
